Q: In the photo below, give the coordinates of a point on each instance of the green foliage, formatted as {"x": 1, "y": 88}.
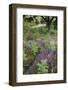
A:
{"x": 42, "y": 67}
{"x": 32, "y": 45}
{"x": 51, "y": 45}
{"x": 30, "y": 51}
{"x": 32, "y": 35}
{"x": 34, "y": 48}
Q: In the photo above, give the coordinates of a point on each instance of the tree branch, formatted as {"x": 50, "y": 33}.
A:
{"x": 44, "y": 18}
{"x": 52, "y": 19}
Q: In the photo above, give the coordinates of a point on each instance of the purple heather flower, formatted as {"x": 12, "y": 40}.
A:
{"x": 43, "y": 55}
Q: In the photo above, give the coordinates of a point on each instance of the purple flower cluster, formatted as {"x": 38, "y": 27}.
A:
{"x": 43, "y": 55}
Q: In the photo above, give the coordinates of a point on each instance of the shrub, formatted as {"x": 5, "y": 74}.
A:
{"x": 42, "y": 67}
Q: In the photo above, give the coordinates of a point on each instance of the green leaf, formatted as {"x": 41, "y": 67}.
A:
{"x": 42, "y": 67}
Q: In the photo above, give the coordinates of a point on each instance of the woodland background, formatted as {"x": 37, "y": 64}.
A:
{"x": 40, "y": 44}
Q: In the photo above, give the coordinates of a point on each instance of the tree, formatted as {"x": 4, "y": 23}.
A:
{"x": 49, "y": 20}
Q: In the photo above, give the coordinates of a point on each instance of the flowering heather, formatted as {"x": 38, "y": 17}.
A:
{"x": 44, "y": 55}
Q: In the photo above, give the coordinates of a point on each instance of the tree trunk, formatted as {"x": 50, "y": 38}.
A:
{"x": 48, "y": 25}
